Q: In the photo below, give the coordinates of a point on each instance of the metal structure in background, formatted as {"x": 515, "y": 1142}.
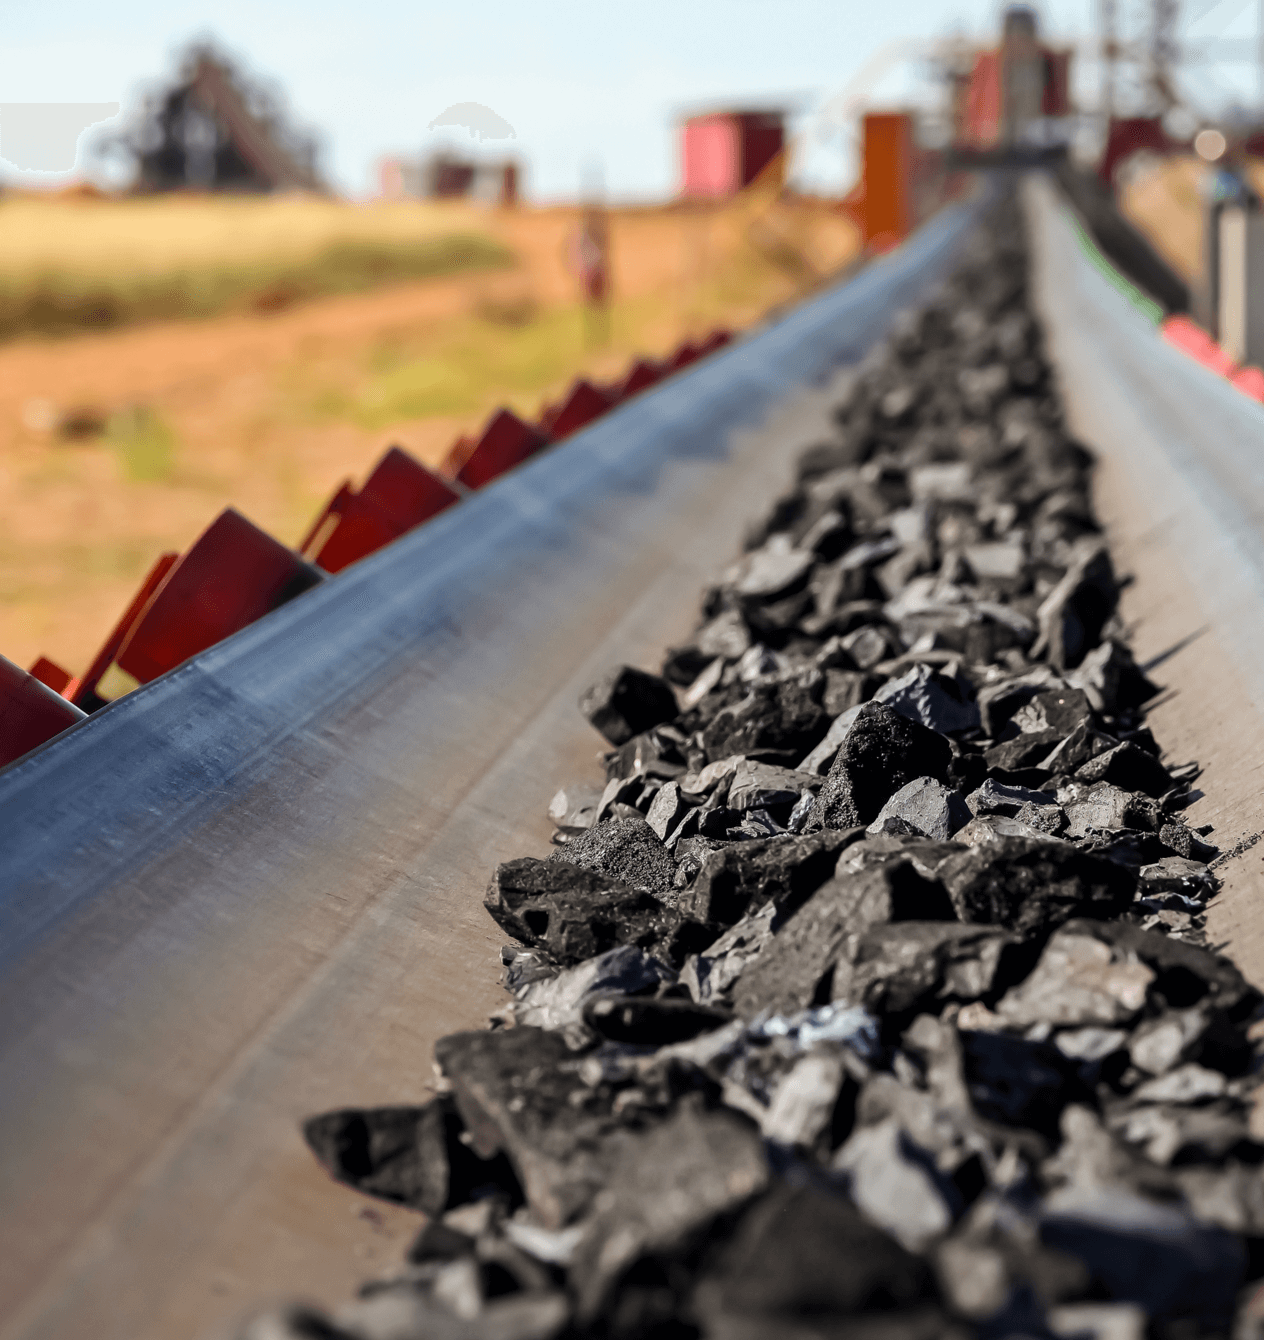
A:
{"x": 216, "y": 129}
{"x": 250, "y": 890}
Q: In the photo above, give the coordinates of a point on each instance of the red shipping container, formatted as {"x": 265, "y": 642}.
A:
{"x": 234, "y": 574}
{"x": 506, "y": 442}
{"x": 30, "y": 712}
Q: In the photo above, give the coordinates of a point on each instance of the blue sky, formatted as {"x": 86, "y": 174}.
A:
{"x": 580, "y": 83}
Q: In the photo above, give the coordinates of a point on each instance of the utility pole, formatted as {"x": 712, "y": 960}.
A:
{"x": 1163, "y": 53}
{"x": 1110, "y": 53}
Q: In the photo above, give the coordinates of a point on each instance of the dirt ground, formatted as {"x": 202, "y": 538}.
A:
{"x": 269, "y": 413}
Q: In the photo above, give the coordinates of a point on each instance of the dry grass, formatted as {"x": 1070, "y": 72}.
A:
{"x": 69, "y": 265}
{"x": 269, "y": 413}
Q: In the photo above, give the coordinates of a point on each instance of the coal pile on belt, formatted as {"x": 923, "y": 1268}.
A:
{"x": 870, "y": 997}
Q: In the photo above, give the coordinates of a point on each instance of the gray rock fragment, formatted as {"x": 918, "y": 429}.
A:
{"x": 928, "y": 807}
{"x": 628, "y": 850}
{"x": 667, "y": 1184}
{"x": 1025, "y": 884}
{"x": 1156, "y": 1256}
{"x": 627, "y": 701}
{"x": 995, "y": 797}
{"x": 1079, "y": 981}
{"x": 896, "y": 1185}
{"x": 881, "y": 753}
{"x": 666, "y": 810}
{"x": 933, "y": 699}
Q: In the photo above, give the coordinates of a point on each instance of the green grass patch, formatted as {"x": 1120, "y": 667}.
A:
{"x": 63, "y": 303}
{"x": 146, "y": 446}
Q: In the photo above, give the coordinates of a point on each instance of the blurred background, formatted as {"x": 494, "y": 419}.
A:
{"x": 310, "y": 233}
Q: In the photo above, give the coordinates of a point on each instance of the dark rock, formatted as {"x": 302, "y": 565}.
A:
{"x": 626, "y": 701}
{"x": 667, "y": 1185}
{"x": 628, "y": 850}
{"x": 897, "y": 1185}
{"x": 1102, "y": 807}
{"x": 1082, "y": 745}
{"x": 711, "y": 975}
{"x": 1023, "y": 751}
{"x": 796, "y": 969}
{"x": 683, "y": 665}
{"x": 772, "y": 572}
{"x": 1075, "y": 611}
{"x": 666, "y": 810}
{"x": 909, "y": 966}
{"x": 650, "y": 1022}
{"x": 413, "y": 1156}
{"x": 518, "y": 1095}
{"x": 558, "y": 1002}
{"x": 757, "y": 786}
{"x": 1157, "y": 1256}
{"x": 1111, "y": 680}
{"x": 845, "y": 689}
{"x": 995, "y": 797}
{"x": 927, "y": 807}
{"x": 1028, "y": 885}
{"x": 1017, "y": 1082}
{"x": 1174, "y": 874}
{"x": 652, "y": 753}
{"x": 1079, "y": 981}
{"x": 575, "y": 807}
{"x": 1185, "y": 974}
{"x": 1062, "y": 710}
{"x": 936, "y": 701}
{"x": 1039, "y": 817}
{"x": 1128, "y": 767}
{"x": 882, "y": 752}
{"x": 783, "y": 716}
{"x": 574, "y": 913}
{"x": 802, "y": 1253}
{"x": 813, "y": 1107}
{"x": 739, "y": 879}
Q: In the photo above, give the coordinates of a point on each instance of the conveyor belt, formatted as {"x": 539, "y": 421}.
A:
{"x": 1180, "y": 484}
{"x": 251, "y": 889}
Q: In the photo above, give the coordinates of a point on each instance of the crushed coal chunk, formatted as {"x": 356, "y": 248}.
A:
{"x": 1028, "y": 885}
{"x": 739, "y": 879}
{"x": 883, "y": 751}
{"x": 906, "y": 967}
{"x": 650, "y": 1023}
{"x": 626, "y": 702}
{"x": 666, "y": 1186}
{"x": 519, "y": 1093}
{"x": 796, "y": 969}
{"x": 801, "y": 1252}
{"x": 924, "y": 806}
{"x": 628, "y": 850}
{"x": 573, "y": 913}
{"x": 414, "y": 1156}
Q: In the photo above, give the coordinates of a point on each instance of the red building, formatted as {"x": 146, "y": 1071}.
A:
{"x": 1013, "y": 86}
{"x": 723, "y": 151}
